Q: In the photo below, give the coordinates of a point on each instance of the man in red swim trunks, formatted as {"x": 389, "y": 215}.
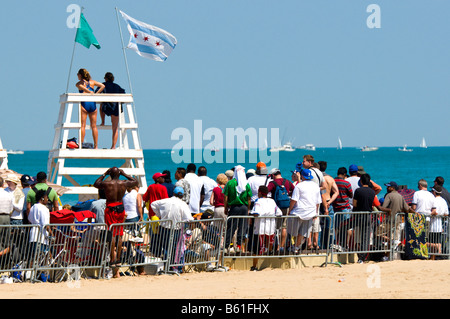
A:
{"x": 115, "y": 189}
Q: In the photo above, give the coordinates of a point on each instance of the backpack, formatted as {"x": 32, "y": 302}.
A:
{"x": 49, "y": 203}
{"x": 280, "y": 195}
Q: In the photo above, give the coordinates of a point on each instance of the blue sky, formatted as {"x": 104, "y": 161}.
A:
{"x": 311, "y": 68}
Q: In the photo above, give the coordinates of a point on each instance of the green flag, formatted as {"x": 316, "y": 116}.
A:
{"x": 85, "y": 36}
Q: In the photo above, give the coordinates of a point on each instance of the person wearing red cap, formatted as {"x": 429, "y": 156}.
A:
{"x": 155, "y": 191}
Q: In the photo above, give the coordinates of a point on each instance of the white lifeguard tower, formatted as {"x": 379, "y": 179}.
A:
{"x": 3, "y": 157}
{"x": 128, "y": 152}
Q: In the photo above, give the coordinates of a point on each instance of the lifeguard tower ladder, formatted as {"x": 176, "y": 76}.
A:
{"x": 128, "y": 150}
{"x": 3, "y": 157}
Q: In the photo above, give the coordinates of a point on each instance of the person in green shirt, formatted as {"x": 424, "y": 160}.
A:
{"x": 237, "y": 201}
{"x": 41, "y": 184}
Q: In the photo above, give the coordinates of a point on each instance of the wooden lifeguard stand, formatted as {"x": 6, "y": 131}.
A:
{"x": 3, "y": 157}
{"x": 128, "y": 149}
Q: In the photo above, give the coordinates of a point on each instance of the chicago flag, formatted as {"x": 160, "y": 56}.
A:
{"x": 149, "y": 41}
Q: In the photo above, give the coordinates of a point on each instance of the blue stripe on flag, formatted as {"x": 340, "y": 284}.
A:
{"x": 152, "y": 32}
{"x": 150, "y": 50}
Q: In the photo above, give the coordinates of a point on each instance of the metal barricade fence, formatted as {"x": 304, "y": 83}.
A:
{"x": 145, "y": 243}
{"x": 197, "y": 245}
{"x": 437, "y": 236}
{"x": 276, "y": 237}
{"x": 362, "y": 233}
{"x": 17, "y": 253}
{"x": 66, "y": 251}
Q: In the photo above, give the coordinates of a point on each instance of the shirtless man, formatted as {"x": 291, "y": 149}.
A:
{"x": 114, "y": 212}
{"x": 329, "y": 195}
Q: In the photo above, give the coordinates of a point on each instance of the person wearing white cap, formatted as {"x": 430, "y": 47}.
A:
{"x": 18, "y": 199}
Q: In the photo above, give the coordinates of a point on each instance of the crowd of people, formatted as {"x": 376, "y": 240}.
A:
{"x": 233, "y": 196}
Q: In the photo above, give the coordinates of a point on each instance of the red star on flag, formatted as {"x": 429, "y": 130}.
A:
{"x": 135, "y": 35}
{"x": 145, "y": 39}
{"x": 157, "y": 43}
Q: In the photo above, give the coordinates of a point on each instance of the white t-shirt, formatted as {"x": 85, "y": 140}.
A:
{"x": 130, "y": 204}
{"x": 424, "y": 201}
{"x": 353, "y": 180}
{"x": 441, "y": 209}
{"x": 18, "y": 202}
{"x": 173, "y": 209}
{"x": 265, "y": 207}
{"x": 6, "y": 202}
{"x": 307, "y": 196}
{"x": 317, "y": 175}
{"x": 39, "y": 215}
{"x": 255, "y": 181}
{"x": 208, "y": 184}
{"x": 196, "y": 184}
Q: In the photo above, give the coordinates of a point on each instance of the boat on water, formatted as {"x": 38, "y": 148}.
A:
{"x": 244, "y": 145}
{"x": 405, "y": 149}
{"x": 308, "y": 147}
{"x": 368, "y": 149}
{"x": 14, "y": 152}
{"x": 423, "y": 144}
{"x": 288, "y": 147}
{"x": 285, "y": 148}
{"x": 339, "y": 147}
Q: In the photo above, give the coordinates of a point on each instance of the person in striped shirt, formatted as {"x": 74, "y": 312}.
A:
{"x": 342, "y": 205}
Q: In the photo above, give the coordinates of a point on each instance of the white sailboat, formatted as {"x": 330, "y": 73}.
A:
{"x": 244, "y": 145}
{"x": 339, "y": 147}
{"x": 423, "y": 144}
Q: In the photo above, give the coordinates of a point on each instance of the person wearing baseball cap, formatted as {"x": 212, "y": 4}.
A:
{"x": 178, "y": 191}
{"x": 154, "y": 192}
{"x": 157, "y": 176}
{"x": 261, "y": 177}
{"x": 392, "y": 184}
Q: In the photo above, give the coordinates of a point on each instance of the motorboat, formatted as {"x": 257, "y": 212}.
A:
{"x": 14, "y": 152}
{"x": 368, "y": 149}
{"x": 405, "y": 149}
{"x": 287, "y": 147}
{"x": 308, "y": 147}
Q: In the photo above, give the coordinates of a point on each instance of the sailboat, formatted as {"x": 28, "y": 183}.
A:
{"x": 339, "y": 147}
{"x": 244, "y": 145}
{"x": 423, "y": 144}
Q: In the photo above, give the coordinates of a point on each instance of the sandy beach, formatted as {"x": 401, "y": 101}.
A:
{"x": 389, "y": 280}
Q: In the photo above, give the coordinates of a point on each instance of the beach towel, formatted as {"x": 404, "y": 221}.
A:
{"x": 115, "y": 214}
{"x": 415, "y": 237}
{"x": 66, "y": 216}
{"x": 241, "y": 178}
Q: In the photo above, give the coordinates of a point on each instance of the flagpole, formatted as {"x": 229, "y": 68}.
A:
{"x": 123, "y": 50}
{"x": 73, "y": 52}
